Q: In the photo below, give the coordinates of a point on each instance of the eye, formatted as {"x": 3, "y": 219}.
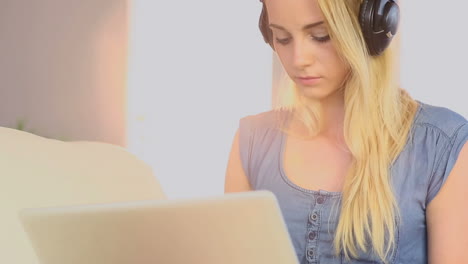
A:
{"x": 322, "y": 39}
{"x": 283, "y": 41}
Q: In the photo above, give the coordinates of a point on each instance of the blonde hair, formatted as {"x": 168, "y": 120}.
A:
{"x": 377, "y": 121}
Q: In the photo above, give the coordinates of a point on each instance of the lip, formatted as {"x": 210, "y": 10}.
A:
{"x": 308, "y": 77}
{"x": 308, "y": 80}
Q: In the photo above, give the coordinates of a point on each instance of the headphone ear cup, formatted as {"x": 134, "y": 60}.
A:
{"x": 384, "y": 32}
{"x": 391, "y": 18}
{"x": 366, "y": 14}
{"x": 379, "y": 23}
{"x": 264, "y": 27}
{"x": 366, "y": 20}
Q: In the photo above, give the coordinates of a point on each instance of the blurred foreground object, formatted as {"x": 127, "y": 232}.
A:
{"x": 40, "y": 172}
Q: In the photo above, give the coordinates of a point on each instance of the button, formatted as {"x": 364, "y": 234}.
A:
{"x": 313, "y": 217}
{"x": 310, "y": 252}
{"x": 320, "y": 200}
{"x": 312, "y": 235}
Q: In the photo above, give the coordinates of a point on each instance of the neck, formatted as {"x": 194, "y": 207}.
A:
{"x": 333, "y": 116}
{"x": 332, "y": 109}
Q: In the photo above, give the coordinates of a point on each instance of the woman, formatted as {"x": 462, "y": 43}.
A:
{"x": 363, "y": 173}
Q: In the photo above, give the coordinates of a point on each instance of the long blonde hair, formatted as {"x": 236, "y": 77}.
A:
{"x": 377, "y": 121}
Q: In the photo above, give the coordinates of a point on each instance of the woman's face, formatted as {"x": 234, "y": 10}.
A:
{"x": 301, "y": 40}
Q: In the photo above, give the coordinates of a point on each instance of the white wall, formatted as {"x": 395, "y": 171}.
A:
{"x": 434, "y": 52}
{"x": 195, "y": 68}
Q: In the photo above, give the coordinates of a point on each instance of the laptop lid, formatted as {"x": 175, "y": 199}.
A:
{"x": 236, "y": 228}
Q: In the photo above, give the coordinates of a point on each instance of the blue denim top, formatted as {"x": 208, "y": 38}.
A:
{"x": 436, "y": 138}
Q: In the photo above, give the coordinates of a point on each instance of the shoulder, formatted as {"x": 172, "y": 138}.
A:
{"x": 267, "y": 120}
{"x": 439, "y": 134}
{"x": 441, "y": 119}
{"x": 258, "y": 135}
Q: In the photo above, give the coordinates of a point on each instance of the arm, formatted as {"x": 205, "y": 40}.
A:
{"x": 235, "y": 180}
{"x": 447, "y": 217}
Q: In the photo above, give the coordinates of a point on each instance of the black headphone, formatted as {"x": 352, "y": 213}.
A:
{"x": 378, "y": 18}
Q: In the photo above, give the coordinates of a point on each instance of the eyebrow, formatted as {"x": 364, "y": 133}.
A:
{"x": 303, "y": 28}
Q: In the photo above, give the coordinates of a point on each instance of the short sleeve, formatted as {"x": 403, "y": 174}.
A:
{"x": 259, "y": 145}
{"x": 447, "y": 161}
{"x": 246, "y": 145}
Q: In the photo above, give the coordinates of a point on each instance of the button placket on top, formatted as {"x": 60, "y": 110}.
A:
{"x": 313, "y": 227}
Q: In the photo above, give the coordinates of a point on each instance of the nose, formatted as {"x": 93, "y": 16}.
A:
{"x": 303, "y": 54}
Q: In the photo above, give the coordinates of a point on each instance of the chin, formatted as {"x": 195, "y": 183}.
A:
{"x": 318, "y": 93}
{"x": 314, "y": 93}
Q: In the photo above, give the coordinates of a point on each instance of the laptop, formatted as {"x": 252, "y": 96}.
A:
{"x": 235, "y": 228}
